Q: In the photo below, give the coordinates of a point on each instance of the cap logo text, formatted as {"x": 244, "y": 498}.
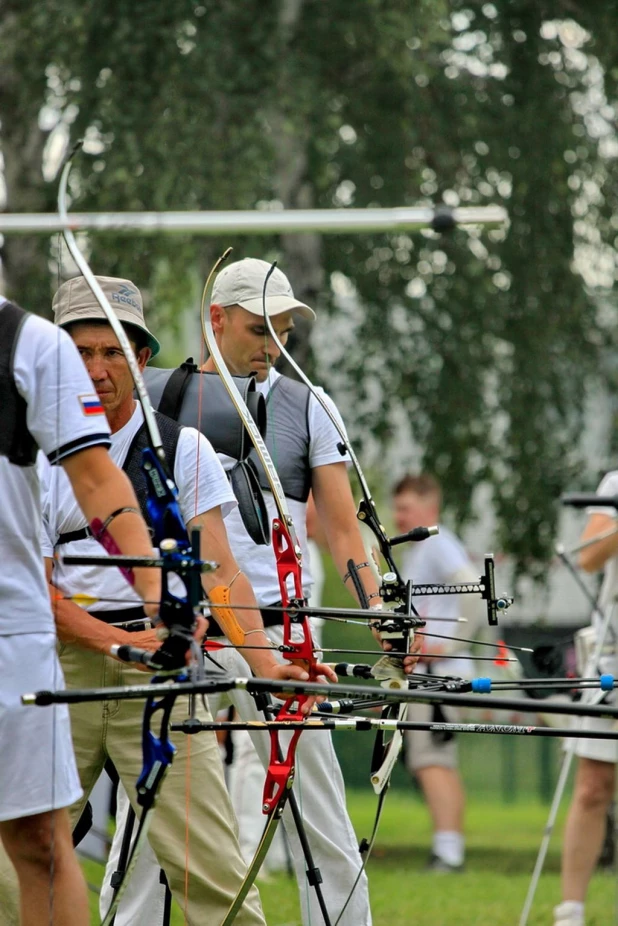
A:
{"x": 124, "y": 295}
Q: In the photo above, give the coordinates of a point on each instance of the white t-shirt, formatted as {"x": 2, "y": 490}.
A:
{"x": 440, "y": 560}
{"x": 50, "y": 376}
{"x": 202, "y": 485}
{"x": 258, "y": 562}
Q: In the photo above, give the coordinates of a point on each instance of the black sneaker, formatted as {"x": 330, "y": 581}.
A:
{"x": 440, "y": 867}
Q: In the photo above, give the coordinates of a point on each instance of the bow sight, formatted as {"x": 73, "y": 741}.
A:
{"x": 485, "y": 587}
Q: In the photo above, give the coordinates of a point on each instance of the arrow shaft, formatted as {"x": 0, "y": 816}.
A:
{"x": 367, "y": 724}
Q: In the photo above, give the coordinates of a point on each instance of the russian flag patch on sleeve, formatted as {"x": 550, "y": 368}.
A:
{"x": 91, "y": 404}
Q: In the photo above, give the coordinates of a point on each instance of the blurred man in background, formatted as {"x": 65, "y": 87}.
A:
{"x": 596, "y": 768}
{"x": 432, "y": 758}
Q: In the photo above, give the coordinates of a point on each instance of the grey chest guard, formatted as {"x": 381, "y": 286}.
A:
{"x": 201, "y": 400}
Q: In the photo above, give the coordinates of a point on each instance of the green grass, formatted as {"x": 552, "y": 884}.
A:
{"x": 502, "y": 843}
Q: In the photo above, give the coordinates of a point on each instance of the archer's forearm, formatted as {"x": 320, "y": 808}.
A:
{"x": 248, "y": 618}
{"x": 215, "y": 546}
{"x": 261, "y": 661}
{"x": 594, "y": 557}
{"x": 344, "y": 547}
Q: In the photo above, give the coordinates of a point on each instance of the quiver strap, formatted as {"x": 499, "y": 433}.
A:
{"x": 188, "y": 396}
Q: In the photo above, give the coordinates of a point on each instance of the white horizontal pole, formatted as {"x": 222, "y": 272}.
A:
{"x": 256, "y": 222}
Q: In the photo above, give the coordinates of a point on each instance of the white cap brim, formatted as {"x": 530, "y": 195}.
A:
{"x": 275, "y": 305}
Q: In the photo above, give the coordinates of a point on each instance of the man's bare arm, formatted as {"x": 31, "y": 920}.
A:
{"x": 337, "y": 512}
{"x": 594, "y": 557}
{"x": 78, "y": 628}
{"x": 215, "y": 546}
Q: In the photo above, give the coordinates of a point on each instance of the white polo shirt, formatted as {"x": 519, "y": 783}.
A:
{"x": 441, "y": 560}
{"x": 51, "y": 378}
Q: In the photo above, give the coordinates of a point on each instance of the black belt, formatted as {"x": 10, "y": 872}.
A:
{"x": 270, "y": 618}
{"x": 125, "y": 616}
{"x": 82, "y": 534}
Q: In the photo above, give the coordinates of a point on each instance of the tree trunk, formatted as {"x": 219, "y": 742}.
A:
{"x": 302, "y": 252}
{"x": 25, "y": 258}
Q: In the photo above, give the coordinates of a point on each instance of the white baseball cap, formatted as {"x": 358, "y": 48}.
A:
{"x": 242, "y": 283}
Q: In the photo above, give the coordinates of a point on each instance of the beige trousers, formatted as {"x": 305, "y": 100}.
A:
{"x": 193, "y": 820}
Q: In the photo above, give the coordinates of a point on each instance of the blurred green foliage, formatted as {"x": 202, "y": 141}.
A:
{"x": 486, "y": 343}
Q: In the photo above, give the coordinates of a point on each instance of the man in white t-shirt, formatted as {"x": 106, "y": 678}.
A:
{"x": 594, "y": 785}
{"x": 46, "y": 402}
{"x": 304, "y": 446}
{"x": 441, "y": 559}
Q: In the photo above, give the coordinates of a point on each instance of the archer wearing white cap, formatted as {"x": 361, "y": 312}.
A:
{"x": 304, "y": 446}
{"x": 242, "y": 283}
{"x": 238, "y": 302}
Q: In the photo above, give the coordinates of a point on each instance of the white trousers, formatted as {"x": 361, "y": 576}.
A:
{"x": 245, "y": 775}
{"x": 245, "y": 781}
{"x": 320, "y": 794}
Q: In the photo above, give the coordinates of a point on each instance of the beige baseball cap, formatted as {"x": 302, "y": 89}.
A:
{"x": 242, "y": 283}
{"x": 75, "y": 302}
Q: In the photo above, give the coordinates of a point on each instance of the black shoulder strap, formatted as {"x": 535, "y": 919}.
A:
{"x": 175, "y": 388}
{"x": 70, "y": 536}
{"x": 13, "y": 316}
{"x": 170, "y": 433}
{"x": 220, "y": 424}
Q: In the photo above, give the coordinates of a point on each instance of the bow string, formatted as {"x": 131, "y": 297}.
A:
{"x": 298, "y": 643}
{"x": 178, "y": 554}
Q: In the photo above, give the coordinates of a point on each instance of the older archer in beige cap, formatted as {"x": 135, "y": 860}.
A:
{"x": 77, "y": 310}
{"x": 215, "y": 866}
